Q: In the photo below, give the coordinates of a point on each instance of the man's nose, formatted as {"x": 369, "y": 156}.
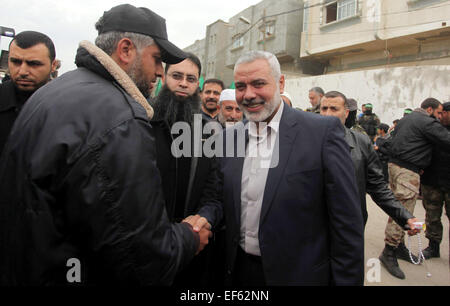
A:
{"x": 184, "y": 82}
{"x": 159, "y": 71}
{"x": 249, "y": 94}
{"x": 23, "y": 70}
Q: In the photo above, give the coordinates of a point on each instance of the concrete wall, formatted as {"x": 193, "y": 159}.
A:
{"x": 390, "y": 90}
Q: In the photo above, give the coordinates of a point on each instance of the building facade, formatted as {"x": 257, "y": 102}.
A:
{"x": 346, "y": 35}
{"x": 270, "y": 25}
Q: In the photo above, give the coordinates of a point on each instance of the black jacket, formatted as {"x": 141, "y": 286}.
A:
{"x": 196, "y": 172}
{"x": 189, "y": 182}
{"x": 438, "y": 173}
{"x": 412, "y": 140}
{"x": 79, "y": 180}
{"x": 370, "y": 179}
{"x": 10, "y": 106}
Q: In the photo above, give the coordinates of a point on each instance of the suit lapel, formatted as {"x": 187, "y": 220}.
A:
{"x": 286, "y": 138}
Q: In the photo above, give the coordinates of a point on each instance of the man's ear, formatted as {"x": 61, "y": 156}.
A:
{"x": 54, "y": 65}
{"x": 282, "y": 83}
{"x": 125, "y": 52}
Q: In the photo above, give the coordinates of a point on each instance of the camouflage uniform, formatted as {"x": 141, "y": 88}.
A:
{"x": 433, "y": 202}
{"x": 315, "y": 109}
{"x": 359, "y": 129}
{"x": 369, "y": 123}
{"x": 405, "y": 185}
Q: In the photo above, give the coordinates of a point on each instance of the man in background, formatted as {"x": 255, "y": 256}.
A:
{"x": 229, "y": 111}
{"x": 210, "y": 95}
{"x": 435, "y": 186}
{"x": 31, "y": 62}
{"x": 315, "y": 95}
{"x": 410, "y": 147}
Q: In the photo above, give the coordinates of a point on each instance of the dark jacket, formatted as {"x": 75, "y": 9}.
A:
{"x": 10, "y": 106}
{"x": 369, "y": 123}
{"x": 438, "y": 173}
{"x": 412, "y": 140}
{"x": 188, "y": 183}
{"x": 79, "y": 180}
{"x": 370, "y": 179}
{"x": 197, "y": 172}
{"x": 311, "y": 227}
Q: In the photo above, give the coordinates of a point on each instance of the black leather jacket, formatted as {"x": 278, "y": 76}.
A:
{"x": 438, "y": 173}
{"x": 370, "y": 179}
{"x": 412, "y": 141}
{"x": 78, "y": 179}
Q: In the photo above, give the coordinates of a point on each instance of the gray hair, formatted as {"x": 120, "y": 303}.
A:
{"x": 252, "y": 56}
{"x": 108, "y": 41}
{"x": 318, "y": 90}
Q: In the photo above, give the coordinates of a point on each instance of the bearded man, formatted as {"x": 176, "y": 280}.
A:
{"x": 294, "y": 220}
{"x": 189, "y": 181}
{"x": 78, "y": 177}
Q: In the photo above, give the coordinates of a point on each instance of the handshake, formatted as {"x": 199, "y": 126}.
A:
{"x": 201, "y": 226}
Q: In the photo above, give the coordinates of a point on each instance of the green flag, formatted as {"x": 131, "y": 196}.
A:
{"x": 201, "y": 82}
{"x": 158, "y": 87}
{"x": 232, "y": 86}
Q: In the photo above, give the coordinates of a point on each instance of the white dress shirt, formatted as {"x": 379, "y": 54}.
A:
{"x": 261, "y": 154}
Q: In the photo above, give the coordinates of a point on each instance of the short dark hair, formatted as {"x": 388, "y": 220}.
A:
{"x": 28, "y": 39}
{"x": 193, "y": 58}
{"x": 336, "y": 94}
{"x": 430, "y": 102}
{"x": 215, "y": 81}
{"x": 384, "y": 127}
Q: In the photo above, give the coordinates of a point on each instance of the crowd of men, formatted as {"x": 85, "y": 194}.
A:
{"x": 92, "y": 168}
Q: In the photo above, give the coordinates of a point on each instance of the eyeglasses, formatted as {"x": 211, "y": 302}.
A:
{"x": 180, "y": 77}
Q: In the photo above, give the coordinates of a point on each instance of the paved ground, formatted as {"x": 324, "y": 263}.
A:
{"x": 416, "y": 275}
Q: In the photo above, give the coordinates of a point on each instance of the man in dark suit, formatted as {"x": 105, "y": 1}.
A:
{"x": 290, "y": 198}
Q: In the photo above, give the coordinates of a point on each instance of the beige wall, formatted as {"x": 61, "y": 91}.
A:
{"x": 389, "y": 90}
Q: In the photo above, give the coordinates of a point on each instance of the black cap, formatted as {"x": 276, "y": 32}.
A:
{"x": 446, "y": 106}
{"x": 128, "y": 18}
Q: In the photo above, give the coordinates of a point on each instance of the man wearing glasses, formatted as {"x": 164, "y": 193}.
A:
{"x": 188, "y": 180}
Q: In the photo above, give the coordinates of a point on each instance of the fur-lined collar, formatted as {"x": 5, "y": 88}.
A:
{"x": 118, "y": 74}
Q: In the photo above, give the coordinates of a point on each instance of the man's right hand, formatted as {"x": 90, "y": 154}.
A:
{"x": 202, "y": 227}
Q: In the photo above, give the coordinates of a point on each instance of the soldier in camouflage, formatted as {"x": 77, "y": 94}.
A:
{"x": 410, "y": 146}
{"x": 436, "y": 191}
{"x": 350, "y": 122}
{"x": 369, "y": 121}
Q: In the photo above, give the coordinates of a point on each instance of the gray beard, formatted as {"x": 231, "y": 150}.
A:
{"x": 170, "y": 108}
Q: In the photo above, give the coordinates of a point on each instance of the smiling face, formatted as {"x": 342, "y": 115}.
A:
{"x": 229, "y": 112}
{"x": 30, "y": 68}
{"x": 210, "y": 96}
{"x": 257, "y": 90}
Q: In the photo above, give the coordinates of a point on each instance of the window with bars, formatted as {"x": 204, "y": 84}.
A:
{"x": 339, "y": 10}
